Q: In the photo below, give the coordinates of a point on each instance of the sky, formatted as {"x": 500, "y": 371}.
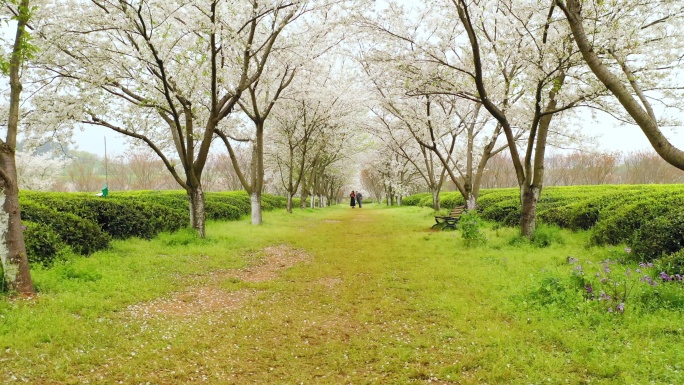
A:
{"x": 612, "y": 136}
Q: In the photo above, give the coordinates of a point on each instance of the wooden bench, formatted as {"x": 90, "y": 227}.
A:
{"x": 451, "y": 221}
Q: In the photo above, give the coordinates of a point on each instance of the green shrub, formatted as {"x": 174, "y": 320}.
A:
{"x": 672, "y": 264}
{"x": 659, "y": 236}
{"x": 545, "y": 236}
{"x": 43, "y": 245}
{"x": 120, "y": 217}
{"x": 163, "y": 218}
{"x": 506, "y": 212}
{"x": 222, "y": 211}
{"x": 84, "y": 236}
{"x": 414, "y": 200}
{"x": 449, "y": 200}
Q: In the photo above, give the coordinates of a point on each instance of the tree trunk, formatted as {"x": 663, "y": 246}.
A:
{"x": 471, "y": 202}
{"x": 197, "y": 211}
{"x": 529, "y": 199}
{"x": 303, "y": 199}
{"x": 256, "y": 207}
{"x": 435, "y": 200}
{"x": 304, "y": 196}
{"x": 289, "y": 202}
{"x": 258, "y": 175}
{"x": 15, "y": 265}
{"x": 640, "y": 110}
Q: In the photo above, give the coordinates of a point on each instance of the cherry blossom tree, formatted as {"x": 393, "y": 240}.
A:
{"x": 15, "y": 267}
{"x": 520, "y": 45}
{"x": 635, "y": 49}
{"x": 38, "y": 172}
{"x": 164, "y": 73}
{"x": 313, "y": 37}
{"x": 312, "y": 129}
{"x": 411, "y": 98}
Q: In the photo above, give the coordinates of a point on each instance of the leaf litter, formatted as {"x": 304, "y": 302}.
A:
{"x": 208, "y": 297}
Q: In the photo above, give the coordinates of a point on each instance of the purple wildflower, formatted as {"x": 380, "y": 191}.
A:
{"x": 606, "y": 268}
{"x": 679, "y": 277}
{"x": 610, "y": 310}
{"x": 664, "y": 276}
{"x": 628, "y": 250}
{"x": 641, "y": 264}
{"x": 648, "y": 280}
{"x": 588, "y": 288}
{"x": 621, "y": 307}
{"x": 649, "y": 264}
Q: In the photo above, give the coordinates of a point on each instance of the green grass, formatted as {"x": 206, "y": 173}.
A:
{"x": 384, "y": 300}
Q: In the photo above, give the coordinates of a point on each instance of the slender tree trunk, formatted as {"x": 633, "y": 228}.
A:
{"x": 16, "y": 274}
{"x": 197, "y": 210}
{"x": 303, "y": 199}
{"x": 529, "y": 198}
{"x": 258, "y": 174}
{"x": 15, "y": 265}
{"x": 255, "y": 199}
{"x": 435, "y": 199}
{"x": 289, "y": 202}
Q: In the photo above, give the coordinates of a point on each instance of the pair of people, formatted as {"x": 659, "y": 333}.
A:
{"x": 355, "y": 197}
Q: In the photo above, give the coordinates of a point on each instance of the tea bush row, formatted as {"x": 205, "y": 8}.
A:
{"x": 58, "y": 223}
{"x": 647, "y": 218}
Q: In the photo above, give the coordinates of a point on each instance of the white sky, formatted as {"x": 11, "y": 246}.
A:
{"x": 612, "y": 136}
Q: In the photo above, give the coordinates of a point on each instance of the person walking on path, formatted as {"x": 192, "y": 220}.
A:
{"x": 358, "y": 198}
{"x": 352, "y": 203}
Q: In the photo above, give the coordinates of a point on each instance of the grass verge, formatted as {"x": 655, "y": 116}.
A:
{"x": 377, "y": 298}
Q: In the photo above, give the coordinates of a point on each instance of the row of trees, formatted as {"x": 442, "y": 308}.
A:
{"x": 183, "y": 78}
{"x": 578, "y": 168}
{"x": 586, "y": 168}
{"x": 449, "y": 86}
{"x": 461, "y": 87}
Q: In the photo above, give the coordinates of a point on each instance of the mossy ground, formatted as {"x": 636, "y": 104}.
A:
{"x": 379, "y": 299}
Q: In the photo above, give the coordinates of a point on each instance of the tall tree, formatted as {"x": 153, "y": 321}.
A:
{"x": 634, "y": 47}
{"x": 15, "y": 267}
{"x": 166, "y": 74}
{"x": 296, "y": 51}
{"x": 533, "y": 59}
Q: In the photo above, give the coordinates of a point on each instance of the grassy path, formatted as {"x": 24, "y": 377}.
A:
{"x": 363, "y": 296}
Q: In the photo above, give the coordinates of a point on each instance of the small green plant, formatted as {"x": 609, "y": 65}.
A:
{"x": 470, "y": 224}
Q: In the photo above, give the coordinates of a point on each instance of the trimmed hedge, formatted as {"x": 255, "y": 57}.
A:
{"x": 83, "y": 235}
{"x": 647, "y": 218}
{"x": 84, "y": 223}
{"x": 43, "y": 244}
